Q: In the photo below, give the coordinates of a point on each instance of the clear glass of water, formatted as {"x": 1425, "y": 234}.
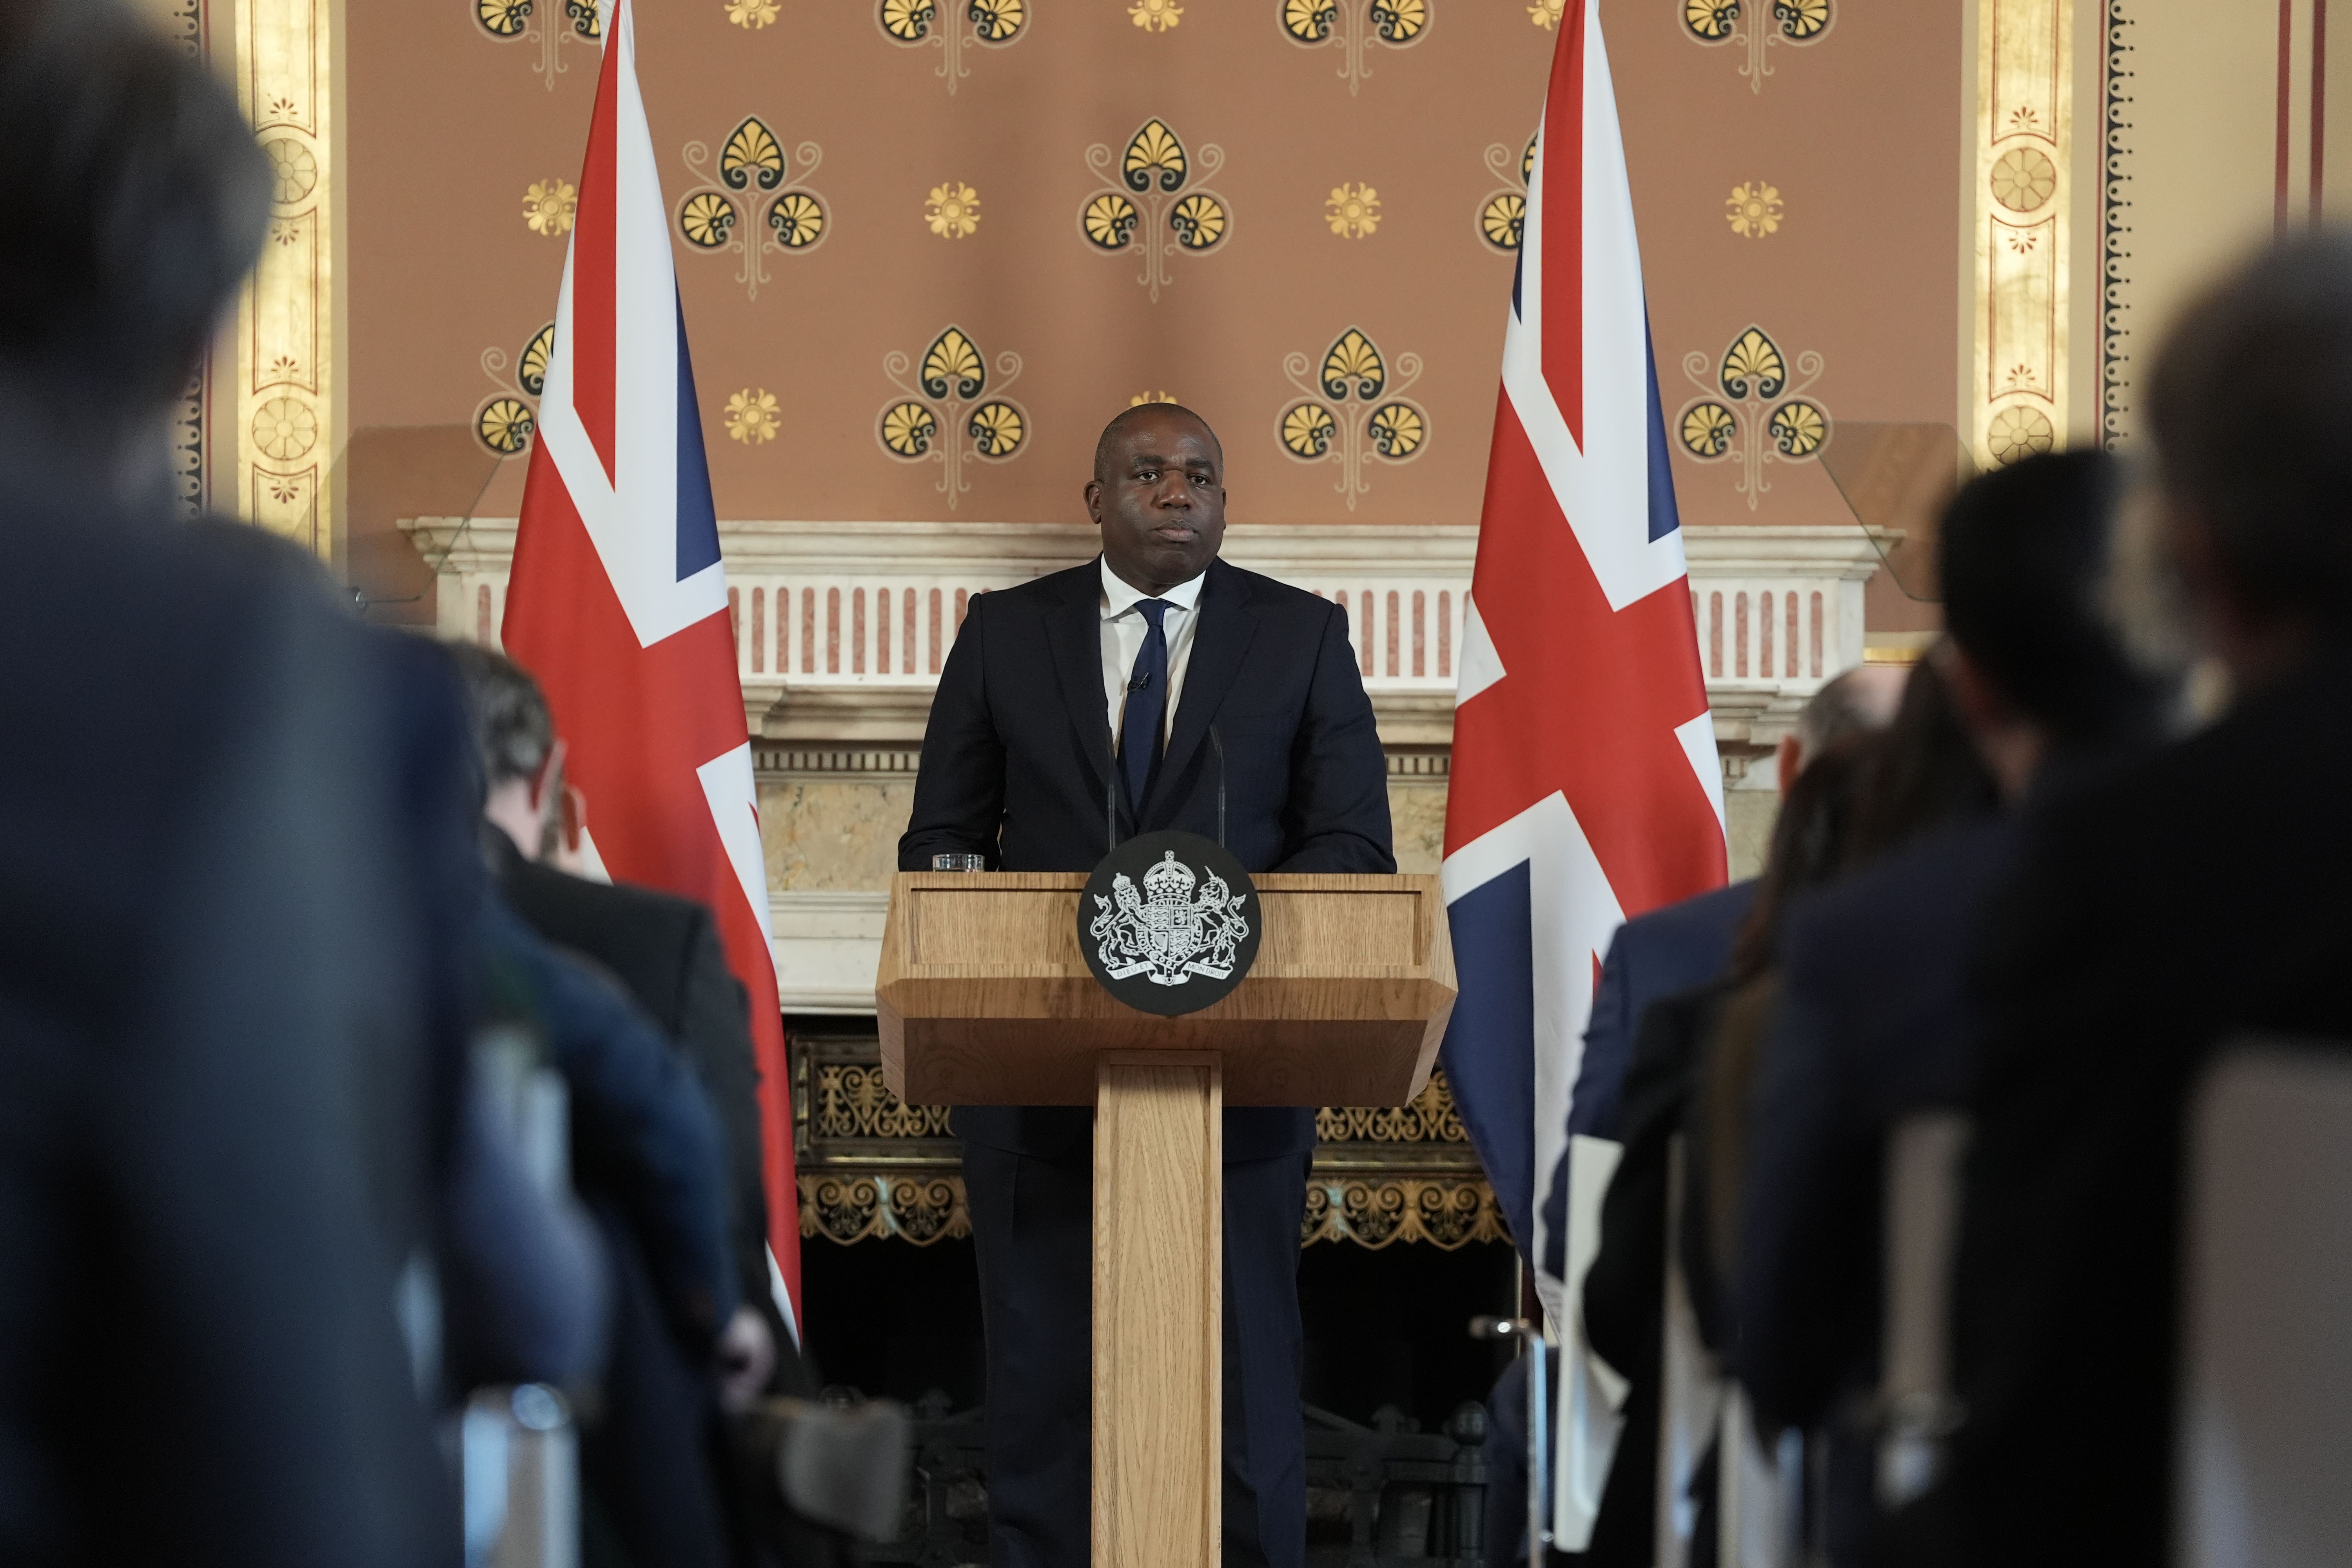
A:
{"x": 959, "y": 862}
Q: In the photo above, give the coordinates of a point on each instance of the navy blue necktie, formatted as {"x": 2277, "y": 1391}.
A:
{"x": 1147, "y": 701}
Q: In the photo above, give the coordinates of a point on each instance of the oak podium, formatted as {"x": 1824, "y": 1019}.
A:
{"x": 984, "y": 998}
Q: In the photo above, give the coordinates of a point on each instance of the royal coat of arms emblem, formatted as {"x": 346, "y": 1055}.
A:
{"x": 1171, "y": 934}
{"x": 1169, "y": 931}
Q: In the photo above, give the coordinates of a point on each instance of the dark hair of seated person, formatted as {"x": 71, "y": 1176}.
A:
{"x": 1923, "y": 772}
{"x": 2244, "y": 404}
{"x": 2023, "y": 557}
{"x": 1811, "y": 842}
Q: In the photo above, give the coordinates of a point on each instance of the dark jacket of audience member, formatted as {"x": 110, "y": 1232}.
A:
{"x": 1625, "y": 1288}
{"x": 1686, "y": 944}
{"x": 666, "y": 953}
{"x": 1877, "y": 1021}
{"x": 2156, "y": 915}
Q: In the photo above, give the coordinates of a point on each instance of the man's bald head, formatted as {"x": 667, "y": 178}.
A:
{"x": 1158, "y": 495}
{"x": 1860, "y": 702}
{"x": 1106, "y": 445}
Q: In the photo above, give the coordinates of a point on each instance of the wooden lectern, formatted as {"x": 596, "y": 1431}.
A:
{"x": 983, "y": 998}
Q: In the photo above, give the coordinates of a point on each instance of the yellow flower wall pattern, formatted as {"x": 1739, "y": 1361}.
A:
{"x": 753, "y": 417}
{"x": 752, "y": 204}
{"x": 1755, "y": 27}
{"x": 1155, "y": 15}
{"x": 504, "y": 421}
{"x": 546, "y": 22}
{"x": 550, "y": 206}
{"x": 1502, "y": 214}
{"x": 1353, "y": 28}
{"x": 1153, "y": 206}
{"x": 1351, "y": 411}
{"x": 1748, "y": 413}
{"x": 1353, "y": 211}
{"x": 1754, "y": 210}
{"x": 952, "y": 410}
{"x": 968, "y": 25}
{"x": 953, "y": 210}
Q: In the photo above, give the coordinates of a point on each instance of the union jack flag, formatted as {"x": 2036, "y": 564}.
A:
{"x": 619, "y": 597}
{"x": 1585, "y": 788}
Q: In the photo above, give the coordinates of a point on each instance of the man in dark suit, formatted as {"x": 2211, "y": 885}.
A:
{"x": 2195, "y": 898}
{"x": 1118, "y": 698}
{"x": 1874, "y": 1020}
{"x": 663, "y": 951}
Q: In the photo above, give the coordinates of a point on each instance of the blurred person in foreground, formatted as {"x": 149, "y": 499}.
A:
{"x": 663, "y": 951}
{"x": 2158, "y": 914}
{"x": 1669, "y": 950}
{"x": 199, "y": 1357}
{"x": 1873, "y": 1020}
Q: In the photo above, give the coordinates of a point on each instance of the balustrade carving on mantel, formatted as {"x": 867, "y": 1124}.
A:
{"x": 840, "y": 629}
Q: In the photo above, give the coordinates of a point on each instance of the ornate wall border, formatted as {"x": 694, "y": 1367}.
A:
{"x": 287, "y": 395}
{"x": 188, "y": 25}
{"x": 2021, "y": 196}
{"x": 2114, "y": 230}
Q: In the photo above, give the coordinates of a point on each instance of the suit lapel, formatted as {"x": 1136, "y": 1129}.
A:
{"x": 1221, "y": 643}
{"x": 1073, "y": 631}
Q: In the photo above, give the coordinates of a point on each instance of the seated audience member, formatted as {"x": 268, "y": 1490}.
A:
{"x": 1623, "y": 1297}
{"x": 1873, "y": 1022}
{"x": 199, "y": 1356}
{"x": 2156, "y": 915}
{"x": 647, "y": 1156}
{"x": 665, "y": 951}
{"x": 1653, "y": 955}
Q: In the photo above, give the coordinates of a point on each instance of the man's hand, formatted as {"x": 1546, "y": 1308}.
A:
{"x": 746, "y": 1355}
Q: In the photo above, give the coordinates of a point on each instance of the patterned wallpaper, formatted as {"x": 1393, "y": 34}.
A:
{"x": 926, "y": 248}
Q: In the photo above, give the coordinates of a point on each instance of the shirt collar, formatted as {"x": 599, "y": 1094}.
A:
{"x": 1118, "y": 597}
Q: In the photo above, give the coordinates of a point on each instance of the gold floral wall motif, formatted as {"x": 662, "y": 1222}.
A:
{"x": 1155, "y": 206}
{"x": 441, "y": 267}
{"x": 1352, "y": 411}
{"x": 1353, "y": 28}
{"x": 753, "y": 203}
{"x": 1753, "y": 210}
{"x": 969, "y": 24}
{"x": 2024, "y": 139}
{"x": 285, "y": 388}
{"x": 504, "y": 421}
{"x": 1502, "y": 214}
{"x": 1748, "y": 412}
{"x": 929, "y": 423}
{"x": 1756, "y": 27}
{"x": 551, "y": 25}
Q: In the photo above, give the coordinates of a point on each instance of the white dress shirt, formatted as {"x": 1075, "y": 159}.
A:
{"x": 1124, "y": 628}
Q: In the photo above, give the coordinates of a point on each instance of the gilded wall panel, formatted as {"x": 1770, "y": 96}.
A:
{"x": 287, "y": 413}
{"x": 2022, "y": 205}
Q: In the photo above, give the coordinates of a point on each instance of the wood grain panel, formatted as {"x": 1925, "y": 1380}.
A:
{"x": 982, "y": 998}
{"x": 1158, "y": 1295}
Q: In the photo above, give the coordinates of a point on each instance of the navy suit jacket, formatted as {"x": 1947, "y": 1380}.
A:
{"x": 1018, "y": 766}
{"x": 1669, "y": 950}
{"x": 1875, "y": 1023}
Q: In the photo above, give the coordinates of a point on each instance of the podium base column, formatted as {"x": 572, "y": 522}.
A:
{"x": 1158, "y": 1288}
